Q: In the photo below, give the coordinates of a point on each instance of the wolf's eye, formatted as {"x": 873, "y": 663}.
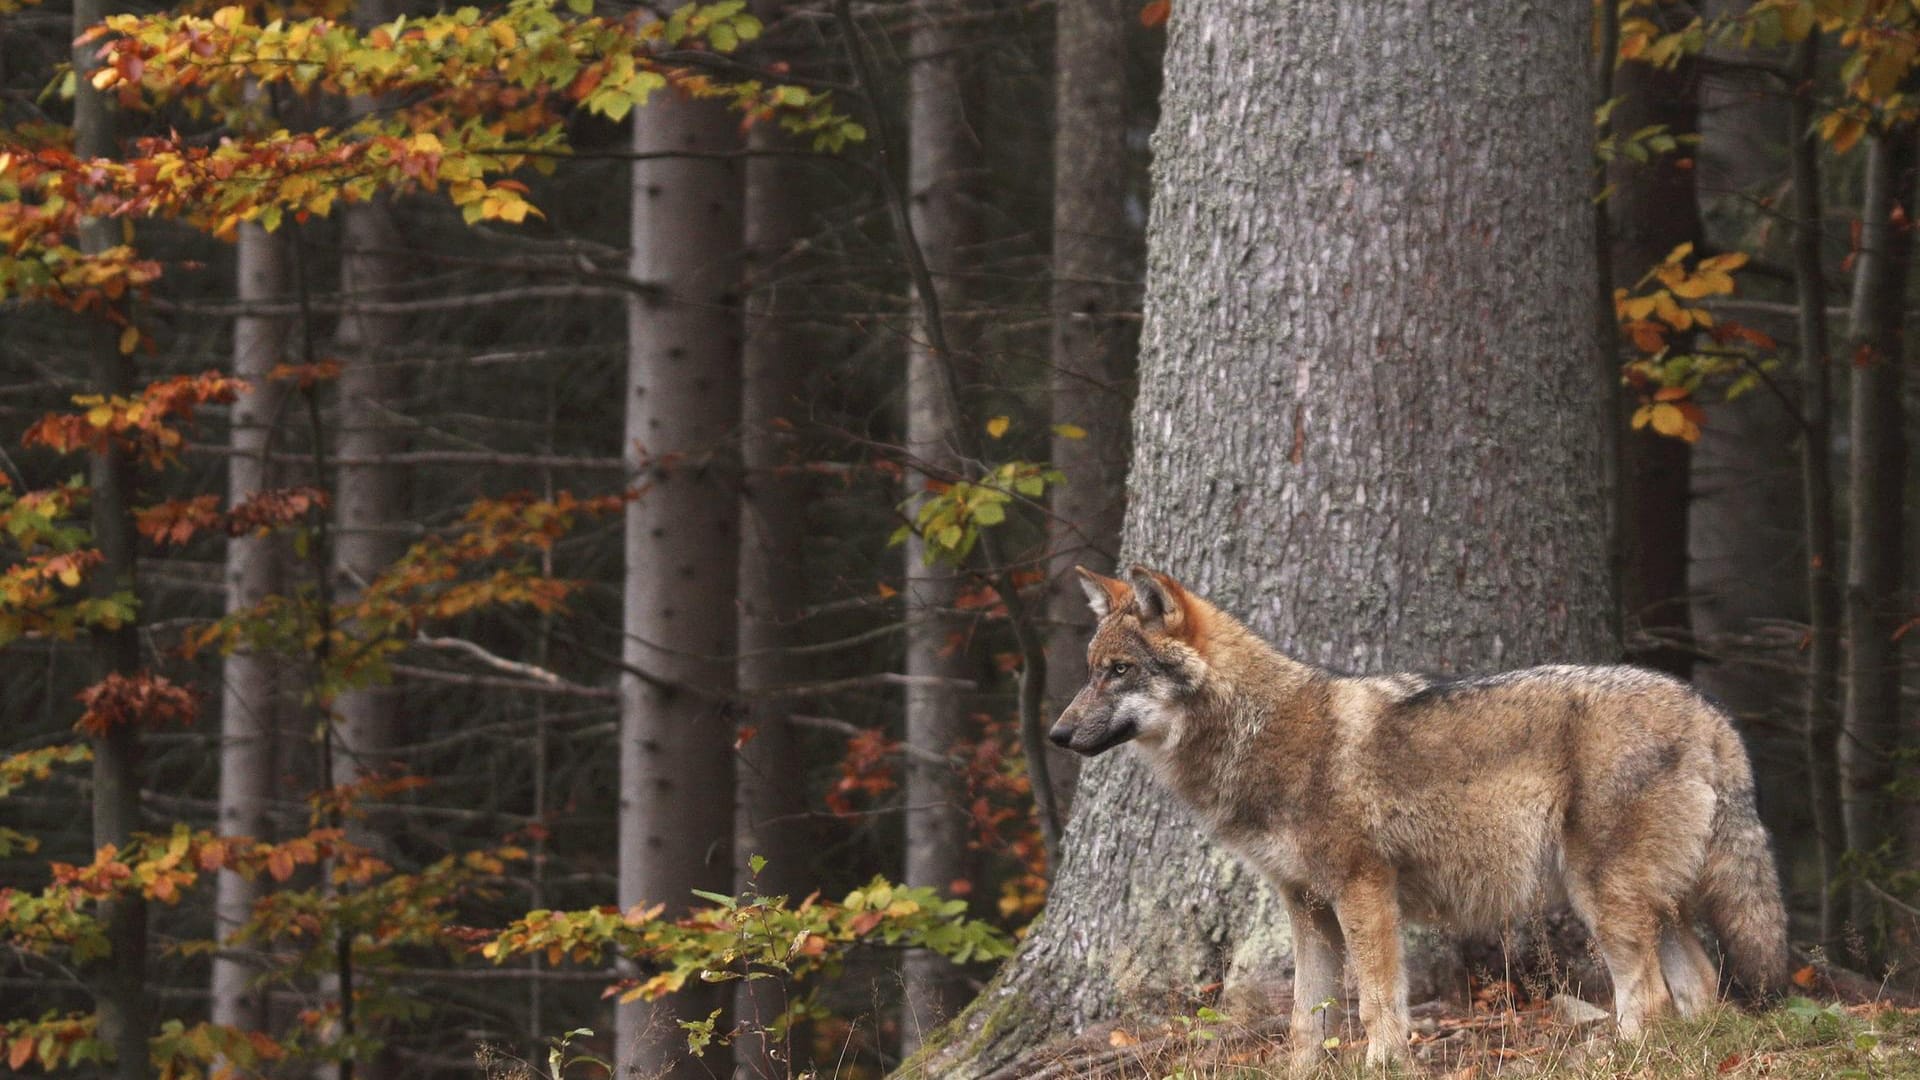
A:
{"x": 1118, "y": 670}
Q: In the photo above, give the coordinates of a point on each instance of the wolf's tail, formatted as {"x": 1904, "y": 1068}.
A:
{"x": 1740, "y": 888}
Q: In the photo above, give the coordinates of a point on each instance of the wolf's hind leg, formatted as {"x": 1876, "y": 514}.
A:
{"x": 1369, "y": 910}
{"x": 1317, "y": 990}
{"x": 1628, "y": 934}
{"x": 1691, "y": 976}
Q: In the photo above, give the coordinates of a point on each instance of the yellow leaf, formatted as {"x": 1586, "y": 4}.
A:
{"x": 1680, "y": 252}
{"x": 1070, "y": 431}
{"x": 100, "y": 415}
{"x": 1668, "y": 420}
{"x": 997, "y": 426}
{"x": 229, "y": 17}
{"x": 69, "y": 575}
{"x": 1671, "y": 313}
{"x": 1842, "y": 131}
{"x": 104, "y": 78}
{"x": 1705, "y": 283}
{"x": 1732, "y": 260}
{"x": 1639, "y": 307}
{"x": 1641, "y": 415}
{"x": 503, "y": 35}
{"x": 129, "y": 340}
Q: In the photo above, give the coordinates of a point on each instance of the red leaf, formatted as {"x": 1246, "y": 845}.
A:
{"x": 1155, "y": 13}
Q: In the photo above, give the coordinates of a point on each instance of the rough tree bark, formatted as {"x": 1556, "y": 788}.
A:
{"x": 1876, "y": 481}
{"x": 119, "y": 979}
{"x": 1351, "y": 429}
{"x": 942, "y": 163}
{"x": 682, "y": 543}
{"x": 1654, "y": 209}
{"x": 1096, "y": 272}
{"x": 249, "y": 712}
{"x": 770, "y": 795}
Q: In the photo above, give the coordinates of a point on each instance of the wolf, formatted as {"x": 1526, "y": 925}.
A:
{"x": 1462, "y": 803}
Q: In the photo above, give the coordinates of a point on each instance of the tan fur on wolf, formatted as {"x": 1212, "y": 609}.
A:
{"x": 1462, "y": 803}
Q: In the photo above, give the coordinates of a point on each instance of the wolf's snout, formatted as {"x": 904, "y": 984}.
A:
{"x": 1061, "y": 735}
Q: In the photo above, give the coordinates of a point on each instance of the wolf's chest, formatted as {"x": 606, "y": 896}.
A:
{"x": 1279, "y": 853}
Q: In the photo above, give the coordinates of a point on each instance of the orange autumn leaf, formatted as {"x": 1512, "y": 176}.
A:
{"x": 139, "y": 698}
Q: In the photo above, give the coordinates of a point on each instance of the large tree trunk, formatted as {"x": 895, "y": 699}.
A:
{"x": 1876, "y": 478}
{"x": 119, "y": 979}
{"x": 682, "y": 544}
{"x": 1653, "y": 210}
{"x": 943, "y": 159}
{"x": 249, "y": 708}
{"x": 1095, "y": 295}
{"x": 1351, "y": 430}
{"x": 770, "y": 794}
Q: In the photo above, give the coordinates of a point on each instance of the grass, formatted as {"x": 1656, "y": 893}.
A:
{"x": 1798, "y": 1040}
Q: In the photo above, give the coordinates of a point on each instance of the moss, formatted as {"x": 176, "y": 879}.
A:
{"x": 966, "y": 1035}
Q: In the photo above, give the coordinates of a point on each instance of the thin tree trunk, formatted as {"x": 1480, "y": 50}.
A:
{"x": 1822, "y": 725}
{"x": 371, "y": 500}
{"x": 1746, "y": 517}
{"x": 119, "y": 979}
{"x": 1096, "y": 272}
{"x": 371, "y": 504}
{"x": 1654, "y": 208}
{"x": 1877, "y": 486}
{"x": 682, "y": 543}
{"x": 1340, "y": 435}
{"x": 249, "y": 711}
{"x": 942, "y": 159}
{"x": 777, "y": 356}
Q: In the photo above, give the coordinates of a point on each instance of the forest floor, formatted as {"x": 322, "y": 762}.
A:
{"x": 1559, "y": 1040}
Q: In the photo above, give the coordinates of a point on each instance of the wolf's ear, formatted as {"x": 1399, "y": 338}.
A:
{"x": 1162, "y": 601}
{"x": 1105, "y": 595}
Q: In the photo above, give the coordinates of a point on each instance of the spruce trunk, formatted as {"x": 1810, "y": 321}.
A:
{"x": 682, "y": 545}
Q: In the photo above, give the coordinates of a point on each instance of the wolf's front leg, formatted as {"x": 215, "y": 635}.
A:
{"x": 1369, "y": 910}
{"x": 1317, "y": 991}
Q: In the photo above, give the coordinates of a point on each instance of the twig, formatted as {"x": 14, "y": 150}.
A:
{"x": 433, "y": 457}
{"x": 463, "y": 678}
{"x": 842, "y": 727}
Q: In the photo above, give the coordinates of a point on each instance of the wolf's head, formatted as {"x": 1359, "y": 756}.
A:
{"x": 1144, "y": 665}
